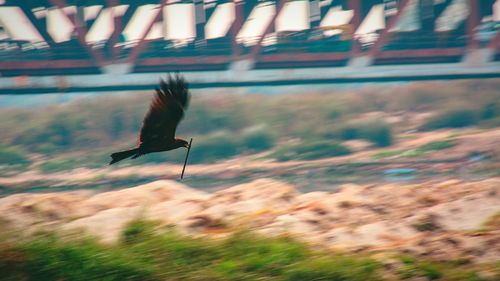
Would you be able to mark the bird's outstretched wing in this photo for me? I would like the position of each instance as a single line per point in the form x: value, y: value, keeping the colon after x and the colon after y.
x: 165, y: 112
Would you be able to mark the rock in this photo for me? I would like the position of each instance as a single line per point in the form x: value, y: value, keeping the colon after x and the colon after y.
x: 425, y: 222
x: 467, y: 213
x: 271, y: 191
x: 174, y: 211
x: 144, y: 195
x: 107, y: 224
x: 27, y: 209
x: 437, y: 220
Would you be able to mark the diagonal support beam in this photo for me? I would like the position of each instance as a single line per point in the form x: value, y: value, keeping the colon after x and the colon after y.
x: 35, y: 21
x: 143, y: 43
x: 377, y: 47
x: 355, y: 5
x: 472, y: 22
x: 440, y: 8
x: 125, y: 19
x: 236, y: 26
x: 117, y: 28
x: 495, y: 42
x: 81, y: 32
x: 257, y: 47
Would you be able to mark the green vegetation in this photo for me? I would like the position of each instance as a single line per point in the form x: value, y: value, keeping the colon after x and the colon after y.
x: 12, y: 156
x: 377, y: 132
x: 387, y: 154
x: 436, y: 145
x: 454, y: 118
x: 220, y: 145
x: 414, y: 268
x: 420, y: 151
x: 147, y: 252
x: 257, y: 139
x: 309, y: 151
x: 88, y: 127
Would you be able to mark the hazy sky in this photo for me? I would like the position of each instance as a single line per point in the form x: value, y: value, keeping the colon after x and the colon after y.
x: 179, y: 21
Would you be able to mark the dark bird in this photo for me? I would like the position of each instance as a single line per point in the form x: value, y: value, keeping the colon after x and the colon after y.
x: 158, y: 128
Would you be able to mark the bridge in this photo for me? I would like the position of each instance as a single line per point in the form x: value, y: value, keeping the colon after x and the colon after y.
x: 49, y: 46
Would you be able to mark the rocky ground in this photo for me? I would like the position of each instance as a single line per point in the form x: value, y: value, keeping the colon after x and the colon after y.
x: 439, y: 220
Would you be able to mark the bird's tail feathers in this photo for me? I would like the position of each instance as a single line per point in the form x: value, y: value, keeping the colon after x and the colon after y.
x: 118, y: 156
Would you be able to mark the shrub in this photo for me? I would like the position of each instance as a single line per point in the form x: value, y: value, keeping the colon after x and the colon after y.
x: 310, y: 150
x: 378, y: 132
x: 490, y: 110
x: 430, y: 271
x: 137, y: 230
x: 454, y: 118
x: 12, y: 156
x: 257, y: 139
x: 217, y: 146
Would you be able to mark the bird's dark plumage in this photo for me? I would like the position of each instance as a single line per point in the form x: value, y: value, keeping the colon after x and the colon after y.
x: 159, y: 126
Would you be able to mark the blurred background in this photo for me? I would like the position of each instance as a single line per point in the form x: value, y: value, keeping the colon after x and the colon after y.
x: 301, y: 106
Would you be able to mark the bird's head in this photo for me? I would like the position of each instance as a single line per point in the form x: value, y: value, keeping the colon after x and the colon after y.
x: 181, y: 143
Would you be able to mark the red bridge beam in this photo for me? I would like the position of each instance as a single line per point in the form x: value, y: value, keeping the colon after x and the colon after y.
x: 236, y: 26
x: 355, y: 5
x: 143, y: 43
x: 45, y: 64
x: 472, y: 22
x: 117, y: 28
x: 81, y: 32
x: 377, y: 47
x: 495, y: 42
x: 257, y: 47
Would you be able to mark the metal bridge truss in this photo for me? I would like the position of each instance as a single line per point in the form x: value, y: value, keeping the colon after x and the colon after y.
x: 50, y: 66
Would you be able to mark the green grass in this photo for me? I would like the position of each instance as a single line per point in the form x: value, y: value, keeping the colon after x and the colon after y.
x: 418, y: 152
x: 147, y: 252
x: 453, y: 270
x: 436, y: 145
x: 412, y: 153
x: 387, y: 154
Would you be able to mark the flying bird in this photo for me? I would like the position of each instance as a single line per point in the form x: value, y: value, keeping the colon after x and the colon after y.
x: 158, y: 128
